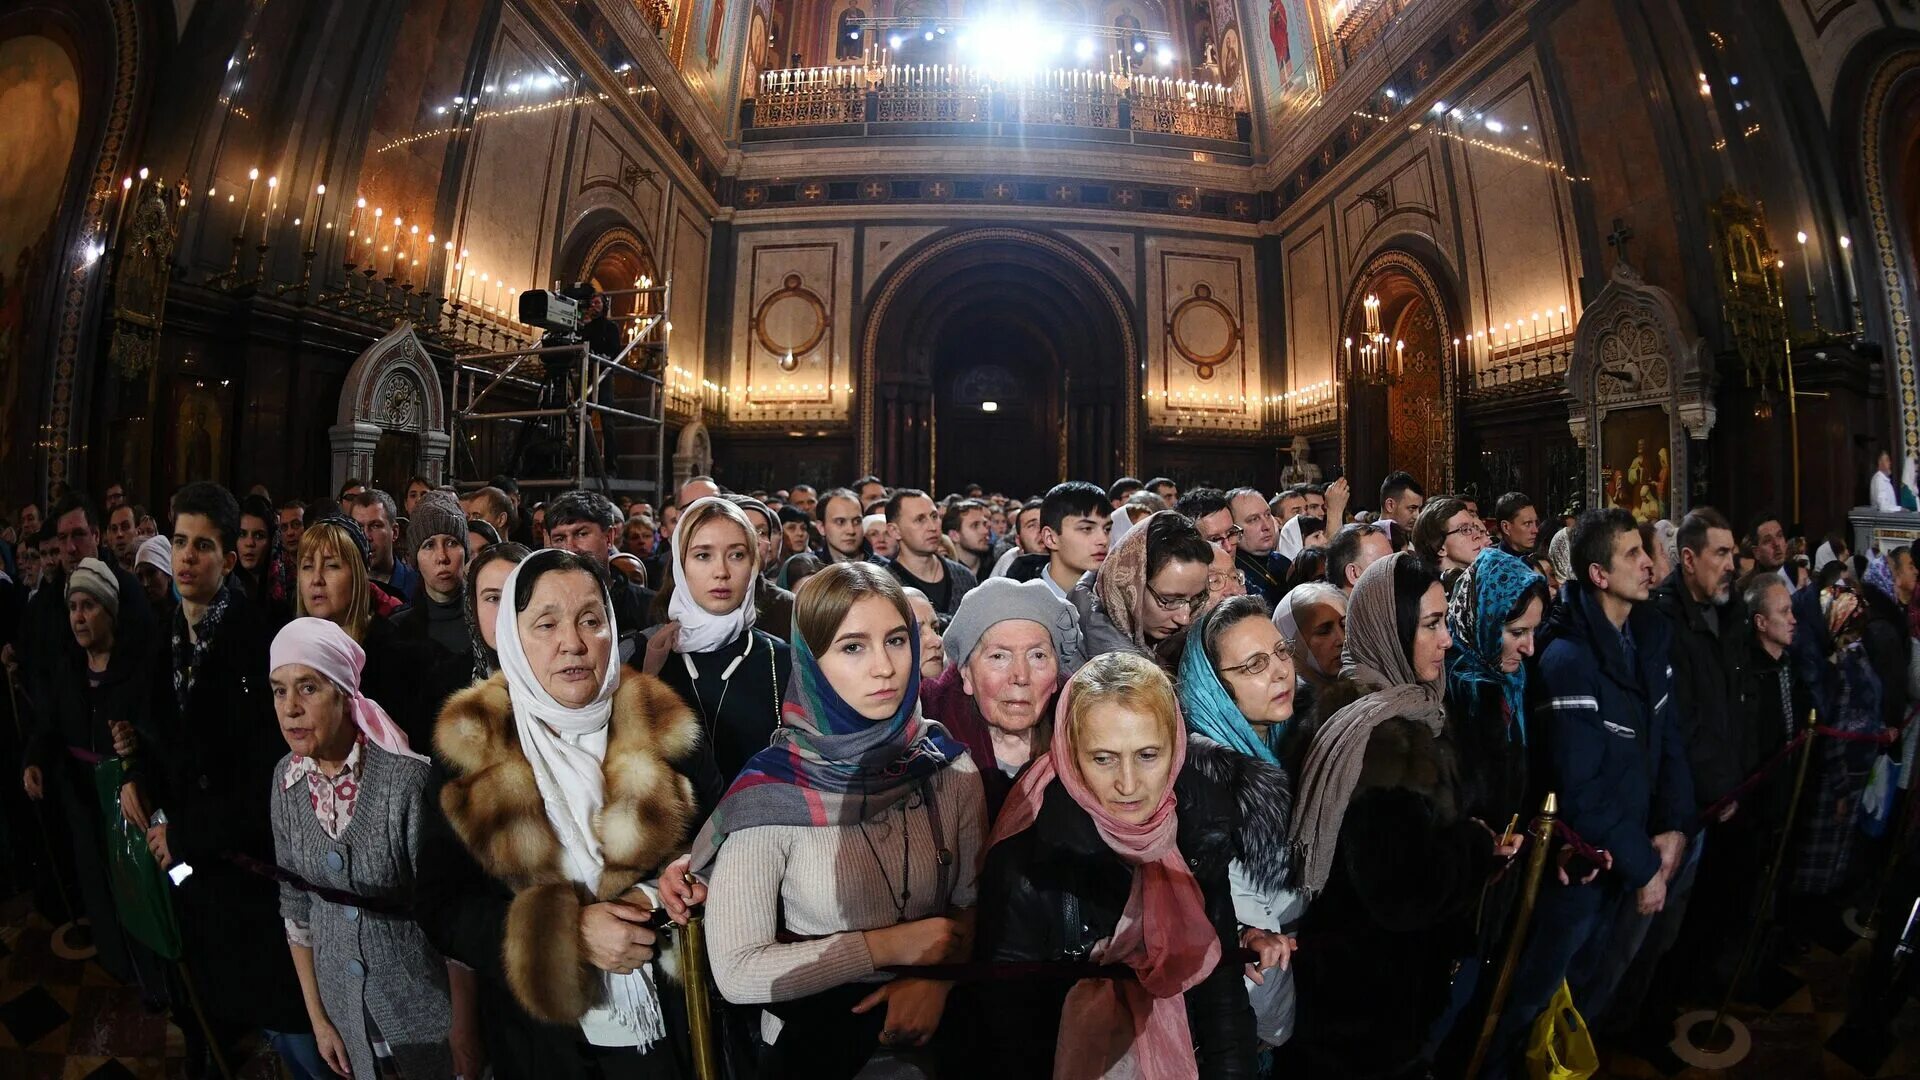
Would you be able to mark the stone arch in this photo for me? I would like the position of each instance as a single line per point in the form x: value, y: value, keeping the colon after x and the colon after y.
x: 1412, y: 273
x: 1112, y: 415
x: 392, y: 391
x: 1888, y: 164
x: 1631, y: 350
x: 611, y: 253
x: 692, y: 453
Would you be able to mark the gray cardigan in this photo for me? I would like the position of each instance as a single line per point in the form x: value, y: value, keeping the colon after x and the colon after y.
x: 368, y: 964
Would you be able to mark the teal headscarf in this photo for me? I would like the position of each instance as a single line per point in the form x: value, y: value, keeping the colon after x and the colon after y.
x: 1476, y: 615
x: 1209, y: 708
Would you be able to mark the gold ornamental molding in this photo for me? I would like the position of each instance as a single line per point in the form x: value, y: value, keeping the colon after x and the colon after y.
x: 1199, y: 304
x: 1409, y: 264
x: 1886, y: 246
x: 792, y: 289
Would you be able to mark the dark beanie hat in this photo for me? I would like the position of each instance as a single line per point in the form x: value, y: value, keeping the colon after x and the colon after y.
x: 436, y: 514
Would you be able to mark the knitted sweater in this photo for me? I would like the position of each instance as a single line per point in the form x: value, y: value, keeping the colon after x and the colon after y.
x: 774, y: 883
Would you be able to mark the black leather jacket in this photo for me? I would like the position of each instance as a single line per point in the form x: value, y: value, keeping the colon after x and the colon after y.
x: 1055, y: 890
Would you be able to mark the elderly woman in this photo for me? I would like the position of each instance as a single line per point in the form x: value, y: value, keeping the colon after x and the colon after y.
x: 1006, y: 641
x: 153, y: 565
x: 933, y: 648
x: 96, y: 696
x: 1236, y: 694
x: 564, y: 792
x: 848, y: 846
x: 1312, y: 619
x: 1153, y: 582
x: 1390, y: 860
x: 374, y: 987
x: 732, y: 675
x: 1095, y: 858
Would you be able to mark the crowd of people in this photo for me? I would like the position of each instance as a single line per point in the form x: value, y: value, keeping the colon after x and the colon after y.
x: 1124, y: 781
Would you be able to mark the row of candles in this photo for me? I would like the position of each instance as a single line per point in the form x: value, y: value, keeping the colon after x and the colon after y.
x: 949, y: 76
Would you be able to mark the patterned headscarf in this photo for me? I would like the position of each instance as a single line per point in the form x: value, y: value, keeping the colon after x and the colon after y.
x: 828, y: 764
x: 1560, y: 553
x: 1121, y: 582
x: 1476, y: 616
x: 1209, y: 707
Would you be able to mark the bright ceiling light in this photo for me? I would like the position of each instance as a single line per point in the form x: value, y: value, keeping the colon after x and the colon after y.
x: 1085, y: 51
x: 989, y: 406
x: 1496, y: 126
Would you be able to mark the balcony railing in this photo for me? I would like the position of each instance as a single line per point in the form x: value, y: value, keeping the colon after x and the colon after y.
x: 857, y: 94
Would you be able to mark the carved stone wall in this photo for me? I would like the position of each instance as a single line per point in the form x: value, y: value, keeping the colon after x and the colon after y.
x: 390, y: 387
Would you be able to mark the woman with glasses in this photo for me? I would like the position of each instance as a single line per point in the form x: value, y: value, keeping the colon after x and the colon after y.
x: 1448, y: 537
x: 1237, y: 695
x: 1391, y: 860
x: 1149, y: 588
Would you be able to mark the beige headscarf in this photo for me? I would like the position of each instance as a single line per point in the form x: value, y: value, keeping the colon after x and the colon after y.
x: 1121, y: 582
x: 1374, y: 659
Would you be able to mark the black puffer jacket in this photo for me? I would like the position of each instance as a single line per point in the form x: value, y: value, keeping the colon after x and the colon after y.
x: 1707, y: 676
x: 1055, y: 890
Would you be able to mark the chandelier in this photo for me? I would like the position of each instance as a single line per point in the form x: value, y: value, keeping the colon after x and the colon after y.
x: 1380, y: 360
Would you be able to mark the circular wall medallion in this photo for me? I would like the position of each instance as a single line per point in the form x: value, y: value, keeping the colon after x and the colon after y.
x: 1203, y: 331
x: 791, y: 320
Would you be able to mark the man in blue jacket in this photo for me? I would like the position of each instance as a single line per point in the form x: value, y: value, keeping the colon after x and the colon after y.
x: 1618, y: 761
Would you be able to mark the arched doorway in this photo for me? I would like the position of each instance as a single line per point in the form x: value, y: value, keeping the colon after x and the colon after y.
x: 619, y: 259
x: 1408, y: 422
x: 1002, y: 357
x: 1889, y: 179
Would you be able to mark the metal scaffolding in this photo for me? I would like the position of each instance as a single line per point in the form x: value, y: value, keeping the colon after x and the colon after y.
x: 591, y: 380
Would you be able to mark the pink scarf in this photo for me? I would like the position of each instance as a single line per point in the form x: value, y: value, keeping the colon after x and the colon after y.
x: 1114, y: 1027
x: 321, y: 645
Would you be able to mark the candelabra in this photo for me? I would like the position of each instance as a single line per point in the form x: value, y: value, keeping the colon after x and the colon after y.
x: 1380, y: 360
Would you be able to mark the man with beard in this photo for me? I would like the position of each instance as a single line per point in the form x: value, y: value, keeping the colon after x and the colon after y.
x: 1769, y: 541
x: 967, y: 523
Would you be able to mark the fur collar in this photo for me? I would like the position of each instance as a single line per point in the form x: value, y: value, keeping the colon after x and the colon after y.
x: 494, y: 803
x: 1263, y: 795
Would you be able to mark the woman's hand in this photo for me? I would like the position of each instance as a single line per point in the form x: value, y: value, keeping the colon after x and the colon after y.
x: 125, y: 740
x: 1565, y: 856
x: 34, y: 783
x: 133, y: 805
x: 922, y: 941
x: 1507, y: 847
x: 157, y: 844
x: 660, y: 646
x: 333, y: 1050
x: 614, y: 936
x: 1276, y: 951
x: 914, y: 1007
x: 680, y: 891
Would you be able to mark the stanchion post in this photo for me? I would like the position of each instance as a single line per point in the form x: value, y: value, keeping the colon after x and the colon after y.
x: 1766, y: 896
x: 695, y: 977
x: 1517, y: 941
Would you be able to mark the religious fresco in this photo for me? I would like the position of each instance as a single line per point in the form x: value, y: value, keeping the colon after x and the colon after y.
x: 1635, y: 463
x: 1282, y: 62
x: 40, y: 97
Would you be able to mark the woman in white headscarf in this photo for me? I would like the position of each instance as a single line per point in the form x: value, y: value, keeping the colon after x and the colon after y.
x: 567, y: 788
x: 732, y: 675
x: 1313, y: 620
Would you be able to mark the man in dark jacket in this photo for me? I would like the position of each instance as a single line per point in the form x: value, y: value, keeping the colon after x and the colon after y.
x: 216, y: 742
x: 1264, y: 569
x: 1710, y: 641
x: 1603, y: 687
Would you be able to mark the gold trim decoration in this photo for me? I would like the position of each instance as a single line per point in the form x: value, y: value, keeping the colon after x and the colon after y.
x: 1886, y: 259
x: 1410, y: 265
x: 1204, y: 363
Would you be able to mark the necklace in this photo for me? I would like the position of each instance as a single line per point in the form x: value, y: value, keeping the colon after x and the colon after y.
x: 726, y: 683
x: 906, y: 846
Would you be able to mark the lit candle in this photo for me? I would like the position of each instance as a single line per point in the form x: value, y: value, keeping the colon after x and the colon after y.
x: 460, y: 282
x: 377, y: 213
x: 266, y: 219
x: 246, y: 208
x: 319, y: 207
x: 482, y: 298
x: 1805, y: 262
x: 1536, y: 325
x: 353, y: 224
x: 120, y: 211
x: 1563, y: 318
x: 413, y: 237
x: 1846, y: 264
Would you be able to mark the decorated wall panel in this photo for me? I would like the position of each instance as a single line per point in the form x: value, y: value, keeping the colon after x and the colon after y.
x: 1115, y: 252
x: 1203, y: 328
x: 1309, y: 281
x: 793, y: 312
x: 882, y: 245
x: 689, y: 241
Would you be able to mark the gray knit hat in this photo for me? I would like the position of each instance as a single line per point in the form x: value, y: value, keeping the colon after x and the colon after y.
x: 436, y: 514
x: 998, y: 600
x: 94, y: 578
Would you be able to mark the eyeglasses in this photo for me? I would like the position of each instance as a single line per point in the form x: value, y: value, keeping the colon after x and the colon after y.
x: 1473, y: 531
x: 1175, y: 603
x: 1259, y: 662
x: 1232, y: 531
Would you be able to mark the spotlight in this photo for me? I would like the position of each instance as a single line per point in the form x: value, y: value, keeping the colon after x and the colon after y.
x: 989, y: 406
x: 1165, y: 56
x: 893, y: 42
x: 1496, y: 126
x: 1390, y: 94
x: 1139, y: 46
x: 855, y: 35
x: 1085, y: 50
x: 928, y: 35
x: 1439, y: 107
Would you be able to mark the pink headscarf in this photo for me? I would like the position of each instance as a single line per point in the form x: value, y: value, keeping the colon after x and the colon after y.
x: 321, y: 645
x: 1112, y: 1027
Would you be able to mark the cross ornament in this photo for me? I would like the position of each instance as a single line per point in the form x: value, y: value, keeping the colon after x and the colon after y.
x: 1617, y: 239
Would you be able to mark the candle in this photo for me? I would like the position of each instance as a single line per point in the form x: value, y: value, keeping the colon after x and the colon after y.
x: 253, y: 175
x: 120, y: 211
x: 482, y: 298
x: 460, y: 283
x: 266, y: 219
x: 1563, y: 318
x: 319, y: 208
x: 377, y: 213
x: 413, y: 237
x: 1846, y: 264
x: 353, y: 225
x: 1805, y: 262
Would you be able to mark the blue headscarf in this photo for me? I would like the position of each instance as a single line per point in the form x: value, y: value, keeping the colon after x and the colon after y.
x: 1209, y: 708
x: 1477, y: 615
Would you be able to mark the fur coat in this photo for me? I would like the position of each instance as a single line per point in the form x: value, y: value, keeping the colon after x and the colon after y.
x: 492, y: 802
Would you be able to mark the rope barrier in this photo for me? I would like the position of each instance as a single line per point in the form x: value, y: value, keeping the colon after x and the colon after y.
x: 331, y: 895
x: 1013, y: 971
